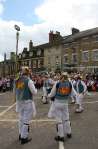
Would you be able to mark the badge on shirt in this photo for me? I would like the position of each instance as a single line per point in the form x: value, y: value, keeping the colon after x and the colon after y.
x: 19, y: 84
x: 64, y: 90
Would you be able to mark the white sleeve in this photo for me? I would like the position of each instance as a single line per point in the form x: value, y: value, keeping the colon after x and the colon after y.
x: 73, y: 90
x: 32, y: 87
x: 84, y: 85
x: 53, y: 91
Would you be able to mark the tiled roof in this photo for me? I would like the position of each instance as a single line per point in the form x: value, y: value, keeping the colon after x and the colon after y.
x: 81, y: 34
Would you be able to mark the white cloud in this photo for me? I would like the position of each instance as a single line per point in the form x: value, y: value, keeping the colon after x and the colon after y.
x: 55, y: 15
x: 69, y: 13
x: 8, y: 36
x: 1, y: 57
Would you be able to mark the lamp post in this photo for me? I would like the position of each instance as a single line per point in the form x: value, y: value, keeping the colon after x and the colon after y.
x: 17, y: 28
x: 4, y: 73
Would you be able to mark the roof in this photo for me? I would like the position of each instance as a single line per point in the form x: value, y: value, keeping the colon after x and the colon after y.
x: 47, y: 45
x: 81, y: 34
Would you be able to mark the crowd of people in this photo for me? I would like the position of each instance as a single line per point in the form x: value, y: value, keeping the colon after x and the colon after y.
x: 90, y: 79
x: 6, y: 83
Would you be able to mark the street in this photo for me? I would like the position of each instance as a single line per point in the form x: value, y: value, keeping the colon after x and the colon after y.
x: 42, y: 130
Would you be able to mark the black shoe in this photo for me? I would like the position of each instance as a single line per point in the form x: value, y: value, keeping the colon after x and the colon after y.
x: 19, y: 137
x: 58, y: 138
x: 69, y: 135
x: 26, y: 140
x: 28, y: 128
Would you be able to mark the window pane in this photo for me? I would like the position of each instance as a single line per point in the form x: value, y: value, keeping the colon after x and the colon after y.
x: 95, y: 55
x: 74, y: 58
x: 85, y: 56
x: 65, y: 59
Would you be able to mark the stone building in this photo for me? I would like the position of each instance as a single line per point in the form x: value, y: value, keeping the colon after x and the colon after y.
x: 52, y: 52
x: 44, y: 57
x: 75, y: 52
x: 7, y: 67
x: 32, y: 57
x: 80, y: 50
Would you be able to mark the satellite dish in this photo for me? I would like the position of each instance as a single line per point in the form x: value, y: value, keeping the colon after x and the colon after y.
x: 17, y: 27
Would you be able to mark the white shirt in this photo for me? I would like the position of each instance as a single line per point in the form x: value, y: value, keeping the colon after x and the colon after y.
x: 32, y: 87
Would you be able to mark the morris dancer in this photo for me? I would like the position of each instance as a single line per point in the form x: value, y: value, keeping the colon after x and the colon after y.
x: 25, y: 89
x: 47, y: 86
x: 80, y: 88
x: 62, y: 90
x: 73, y: 93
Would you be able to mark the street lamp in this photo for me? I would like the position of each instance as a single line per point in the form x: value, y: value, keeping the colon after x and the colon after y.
x: 17, y: 28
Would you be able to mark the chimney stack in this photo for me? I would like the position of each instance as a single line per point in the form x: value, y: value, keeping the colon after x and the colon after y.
x: 75, y: 31
x: 4, y: 56
x: 51, y: 36
x: 30, y: 45
x: 54, y: 37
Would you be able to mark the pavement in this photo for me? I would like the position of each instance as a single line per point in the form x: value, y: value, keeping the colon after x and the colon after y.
x: 84, y: 125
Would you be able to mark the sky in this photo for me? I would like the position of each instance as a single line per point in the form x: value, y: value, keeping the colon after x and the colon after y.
x: 37, y: 17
